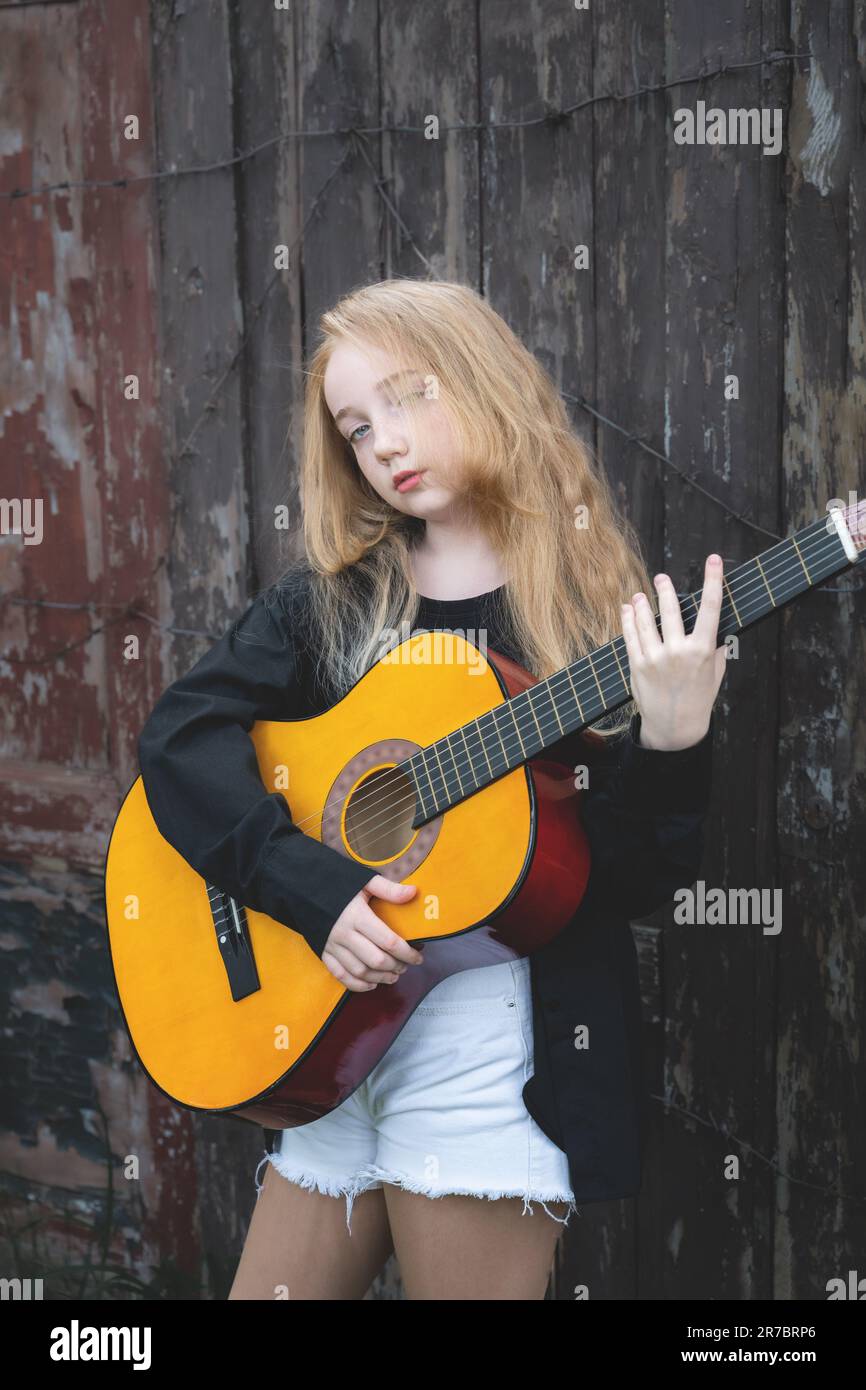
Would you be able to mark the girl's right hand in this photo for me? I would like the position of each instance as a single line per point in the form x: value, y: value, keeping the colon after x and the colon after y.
x: 361, y: 951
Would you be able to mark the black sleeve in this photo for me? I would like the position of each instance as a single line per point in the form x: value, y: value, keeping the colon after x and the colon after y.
x: 202, y: 782
x: 644, y: 811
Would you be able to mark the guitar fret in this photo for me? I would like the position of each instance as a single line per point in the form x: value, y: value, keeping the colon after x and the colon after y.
x: 444, y: 769
x: 800, y: 558
x: 495, y: 719
x: 574, y: 691
x: 468, y: 754
x: 441, y: 769
x: 510, y: 708
x: 539, y: 692
x: 483, y: 745
x: 733, y: 605
x: 595, y: 676
x: 456, y: 767
x: 764, y: 577
x: 531, y: 707
x: 428, y: 780
x: 621, y: 672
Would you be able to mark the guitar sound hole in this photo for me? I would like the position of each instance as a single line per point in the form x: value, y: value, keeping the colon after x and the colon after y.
x: 379, y: 815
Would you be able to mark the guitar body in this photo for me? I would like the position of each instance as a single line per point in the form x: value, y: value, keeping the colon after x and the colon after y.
x: 498, y: 875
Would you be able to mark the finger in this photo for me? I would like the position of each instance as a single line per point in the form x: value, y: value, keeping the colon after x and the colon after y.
x: 630, y: 637
x: 381, y: 935
x: 648, y: 633
x: 669, y: 608
x: 707, y: 621
x: 382, y: 887
x: 344, y: 976
x: 360, y: 966
x: 374, y: 957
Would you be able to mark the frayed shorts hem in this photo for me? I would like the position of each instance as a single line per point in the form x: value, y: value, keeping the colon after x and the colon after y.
x: 371, y: 1177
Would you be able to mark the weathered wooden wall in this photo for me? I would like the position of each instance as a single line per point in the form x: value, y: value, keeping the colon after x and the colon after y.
x: 80, y: 312
x: 703, y: 261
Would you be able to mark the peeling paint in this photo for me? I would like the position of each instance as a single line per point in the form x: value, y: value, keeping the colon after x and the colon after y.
x: 820, y: 150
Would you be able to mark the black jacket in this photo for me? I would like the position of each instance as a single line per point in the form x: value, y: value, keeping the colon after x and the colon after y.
x: 643, y: 812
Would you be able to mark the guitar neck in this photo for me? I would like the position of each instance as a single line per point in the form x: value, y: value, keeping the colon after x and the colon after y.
x: 478, y: 753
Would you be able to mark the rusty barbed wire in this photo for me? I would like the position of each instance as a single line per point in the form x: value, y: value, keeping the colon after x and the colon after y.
x: 552, y: 116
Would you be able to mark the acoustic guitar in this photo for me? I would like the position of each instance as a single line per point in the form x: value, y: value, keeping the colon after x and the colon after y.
x: 439, y: 766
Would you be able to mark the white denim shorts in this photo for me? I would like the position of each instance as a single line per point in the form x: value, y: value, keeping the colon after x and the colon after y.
x: 442, y: 1112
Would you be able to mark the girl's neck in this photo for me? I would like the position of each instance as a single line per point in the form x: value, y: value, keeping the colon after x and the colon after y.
x: 453, y: 563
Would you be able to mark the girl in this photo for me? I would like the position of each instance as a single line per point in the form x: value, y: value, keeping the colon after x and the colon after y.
x: 443, y: 487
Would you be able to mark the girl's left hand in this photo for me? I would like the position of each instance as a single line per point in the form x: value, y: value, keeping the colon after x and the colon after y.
x: 675, y: 678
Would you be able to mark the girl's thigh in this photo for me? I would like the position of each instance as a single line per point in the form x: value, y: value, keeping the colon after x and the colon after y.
x: 298, y: 1247
x: 456, y: 1247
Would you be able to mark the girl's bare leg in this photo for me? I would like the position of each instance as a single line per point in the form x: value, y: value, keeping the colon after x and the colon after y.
x: 471, y: 1247
x: 298, y: 1247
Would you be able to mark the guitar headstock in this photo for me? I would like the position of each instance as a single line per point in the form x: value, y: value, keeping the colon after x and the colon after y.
x: 854, y: 518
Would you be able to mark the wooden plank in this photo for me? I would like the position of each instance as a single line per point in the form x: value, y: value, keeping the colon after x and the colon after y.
x: 626, y: 384
x: 69, y: 436
x: 337, y: 82
x: 202, y: 327
x: 270, y: 215
x: 433, y: 183
x: 630, y: 140
x: 820, y: 1092
x: 207, y: 570
x: 723, y: 285
x: 77, y: 315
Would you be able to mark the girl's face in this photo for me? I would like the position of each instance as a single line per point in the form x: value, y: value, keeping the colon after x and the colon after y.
x: 367, y: 397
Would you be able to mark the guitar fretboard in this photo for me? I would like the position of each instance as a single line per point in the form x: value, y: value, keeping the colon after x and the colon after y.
x: 476, y: 754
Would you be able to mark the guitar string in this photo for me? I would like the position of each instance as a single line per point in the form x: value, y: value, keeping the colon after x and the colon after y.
x: 735, y: 591
x: 589, y: 685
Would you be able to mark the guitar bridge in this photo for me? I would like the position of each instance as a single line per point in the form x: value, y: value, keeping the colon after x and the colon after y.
x: 233, y: 940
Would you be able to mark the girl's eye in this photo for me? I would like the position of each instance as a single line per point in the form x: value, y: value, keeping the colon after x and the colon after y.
x: 399, y: 401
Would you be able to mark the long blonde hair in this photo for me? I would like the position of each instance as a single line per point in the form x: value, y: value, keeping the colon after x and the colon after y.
x: 521, y: 469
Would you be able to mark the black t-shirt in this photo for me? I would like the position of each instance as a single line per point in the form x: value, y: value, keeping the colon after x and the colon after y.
x: 482, y: 614
x: 643, y: 812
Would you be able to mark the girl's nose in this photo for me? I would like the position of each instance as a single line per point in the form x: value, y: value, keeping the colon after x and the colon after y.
x: 387, y: 446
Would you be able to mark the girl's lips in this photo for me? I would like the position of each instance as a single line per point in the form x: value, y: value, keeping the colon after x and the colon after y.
x: 408, y: 482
